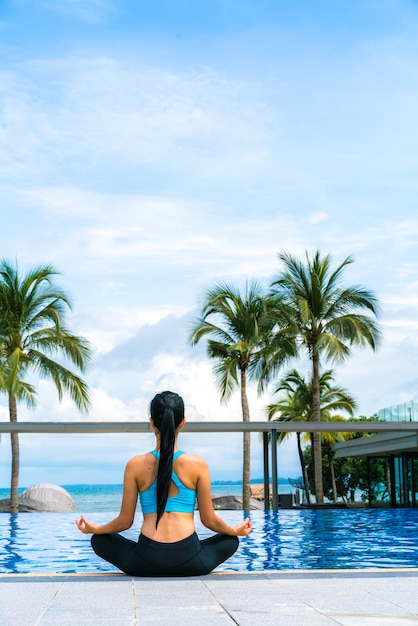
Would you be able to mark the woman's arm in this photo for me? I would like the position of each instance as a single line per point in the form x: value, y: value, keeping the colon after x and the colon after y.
x: 127, y: 511
x: 207, y: 514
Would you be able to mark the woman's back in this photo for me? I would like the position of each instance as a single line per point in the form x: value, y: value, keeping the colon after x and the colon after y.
x: 177, y: 521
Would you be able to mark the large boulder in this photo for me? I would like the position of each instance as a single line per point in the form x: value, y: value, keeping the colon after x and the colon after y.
x: 47, y: 497
x: 43, y: 497
x: 229, y: 502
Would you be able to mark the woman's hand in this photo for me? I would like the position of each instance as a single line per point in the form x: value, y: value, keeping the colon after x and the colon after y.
x: 85, y: 526
x: 244, y: 528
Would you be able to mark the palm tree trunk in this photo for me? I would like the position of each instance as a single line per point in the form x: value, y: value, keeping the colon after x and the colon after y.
x: 246, y: 491
x: 316, y: 438
x: 304, y: 472
x: 14, y: 438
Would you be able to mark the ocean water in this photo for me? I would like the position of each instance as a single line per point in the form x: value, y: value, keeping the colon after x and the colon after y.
x: 102, y: 498
x: 98, y: 498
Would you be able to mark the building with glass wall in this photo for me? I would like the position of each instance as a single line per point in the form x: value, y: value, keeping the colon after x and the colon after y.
x: 404, y: 412
x: 399, y: 449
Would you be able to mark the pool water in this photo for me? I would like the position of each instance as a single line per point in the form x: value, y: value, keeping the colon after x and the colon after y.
x: 288, y: 539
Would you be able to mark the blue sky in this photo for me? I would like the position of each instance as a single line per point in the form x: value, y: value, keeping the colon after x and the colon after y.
x: 151, y: 149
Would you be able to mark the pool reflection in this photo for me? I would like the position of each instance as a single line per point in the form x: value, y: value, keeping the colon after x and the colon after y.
x: 11, y: 560
x: 329, y: 539
x: 287, y: 539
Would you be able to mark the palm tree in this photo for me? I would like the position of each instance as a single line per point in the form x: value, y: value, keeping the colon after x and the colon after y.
x: 297, y: 406
x: 292, y: 407
x: 328, y: 439
x: 243, y: 345
x: 326, y: 319
x: 32, y: 333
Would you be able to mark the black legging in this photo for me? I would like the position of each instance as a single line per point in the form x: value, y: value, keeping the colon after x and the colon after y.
x: 189, y: 557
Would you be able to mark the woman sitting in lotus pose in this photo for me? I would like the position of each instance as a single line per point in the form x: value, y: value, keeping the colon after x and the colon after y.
x: 168, y: 482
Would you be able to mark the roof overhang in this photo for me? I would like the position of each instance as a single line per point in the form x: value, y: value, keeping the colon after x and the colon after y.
x: 383, y: 444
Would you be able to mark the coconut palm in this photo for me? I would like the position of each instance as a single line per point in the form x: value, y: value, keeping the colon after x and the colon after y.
x: 243, y: 345
x: 296, y: 405
x: 32, y: 336
x: 327, y: 319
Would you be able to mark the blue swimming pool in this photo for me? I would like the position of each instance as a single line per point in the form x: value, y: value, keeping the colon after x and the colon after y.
x: 288, y: 539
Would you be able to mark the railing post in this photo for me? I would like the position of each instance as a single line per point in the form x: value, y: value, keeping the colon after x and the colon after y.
x: 274, y: 487
x: 266, y: 471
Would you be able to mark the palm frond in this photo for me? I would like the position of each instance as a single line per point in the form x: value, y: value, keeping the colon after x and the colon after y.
x: 63, y: 378
x: 242, y: 327
x: 32, y: 331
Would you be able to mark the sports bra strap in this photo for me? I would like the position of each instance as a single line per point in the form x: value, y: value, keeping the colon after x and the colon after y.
x: 175, y: 456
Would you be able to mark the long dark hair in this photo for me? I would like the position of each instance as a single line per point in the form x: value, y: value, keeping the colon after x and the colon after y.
x: 167, y: 413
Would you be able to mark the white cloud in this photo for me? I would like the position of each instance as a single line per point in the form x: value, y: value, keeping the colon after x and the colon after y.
x: 316, y: 218
x: 89, y: 112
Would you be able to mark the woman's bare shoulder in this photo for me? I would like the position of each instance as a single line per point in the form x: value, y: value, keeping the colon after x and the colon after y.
x: 141, y: 460
x: 194, y: 459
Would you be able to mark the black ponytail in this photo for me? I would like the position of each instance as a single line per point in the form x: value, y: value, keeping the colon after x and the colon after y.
x: 167, y: 413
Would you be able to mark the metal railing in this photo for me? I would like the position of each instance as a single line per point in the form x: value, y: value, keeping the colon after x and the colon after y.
x: 208, y: 427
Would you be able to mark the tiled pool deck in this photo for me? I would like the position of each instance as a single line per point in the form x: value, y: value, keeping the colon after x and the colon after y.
x: 311, y: 598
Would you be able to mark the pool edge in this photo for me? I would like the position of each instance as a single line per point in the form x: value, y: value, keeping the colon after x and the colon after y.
x: 363, y: 572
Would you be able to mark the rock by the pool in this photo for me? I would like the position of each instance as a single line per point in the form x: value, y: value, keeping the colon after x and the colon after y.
x: 229, y: 502
x: 43, y: 497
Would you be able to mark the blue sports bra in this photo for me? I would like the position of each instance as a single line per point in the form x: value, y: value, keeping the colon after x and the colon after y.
x: 182, y: 502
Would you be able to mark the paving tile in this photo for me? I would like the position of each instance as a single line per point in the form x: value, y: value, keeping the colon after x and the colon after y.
x: 318, y: 599
x: 88, y: 602
x: 179, y: 616
x: 54, y: 619
x: 178, y: 601
x: 402, y: 592
x: 339, y: 596
x: 376, y: 620
x: 22, y: 604
x: 260, y: 602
